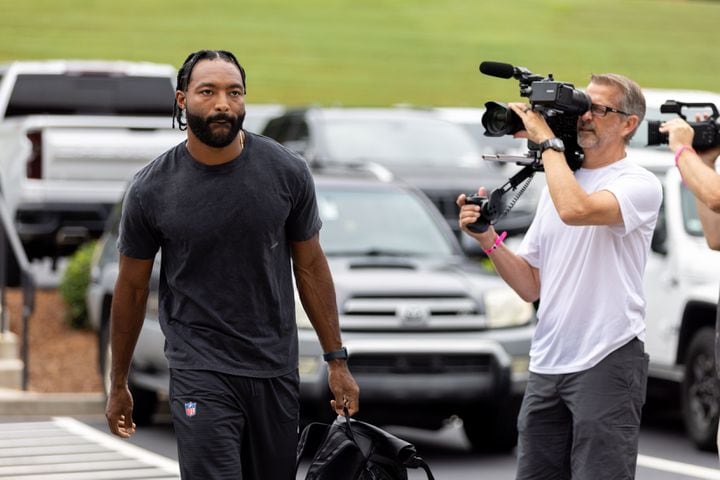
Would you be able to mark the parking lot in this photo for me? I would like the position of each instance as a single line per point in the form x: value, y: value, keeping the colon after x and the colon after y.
x: 64, y: 448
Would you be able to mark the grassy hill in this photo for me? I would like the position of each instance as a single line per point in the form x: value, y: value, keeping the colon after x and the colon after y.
x: 381, y: 52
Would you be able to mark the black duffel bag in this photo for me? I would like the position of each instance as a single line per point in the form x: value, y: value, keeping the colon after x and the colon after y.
x: 349, y: 449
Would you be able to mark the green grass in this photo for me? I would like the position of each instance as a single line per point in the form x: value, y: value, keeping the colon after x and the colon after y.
x: 374, y: 52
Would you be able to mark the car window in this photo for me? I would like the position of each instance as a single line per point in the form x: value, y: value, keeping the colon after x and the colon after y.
x: 298, y: 130
x: 366, y: 222
x: 91, y: 94
x: 399, y: 141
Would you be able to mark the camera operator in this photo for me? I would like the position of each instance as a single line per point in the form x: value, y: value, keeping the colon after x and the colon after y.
x: 584, y: 257
x: 699, y: 174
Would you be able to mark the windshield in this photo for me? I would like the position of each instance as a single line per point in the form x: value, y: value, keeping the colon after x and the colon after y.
x: 365, y: 222
x: 690, y: 216
x: 91, y: 94
x: 405, y: 141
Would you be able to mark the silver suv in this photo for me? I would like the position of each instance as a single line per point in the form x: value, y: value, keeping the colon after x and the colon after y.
x: 430, y: 333
x: 419, y: 147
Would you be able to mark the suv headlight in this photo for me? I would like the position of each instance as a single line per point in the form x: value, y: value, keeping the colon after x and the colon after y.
x: 505, y: 308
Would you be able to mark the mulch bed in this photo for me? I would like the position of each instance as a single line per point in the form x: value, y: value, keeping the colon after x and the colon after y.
x: 61, y: 359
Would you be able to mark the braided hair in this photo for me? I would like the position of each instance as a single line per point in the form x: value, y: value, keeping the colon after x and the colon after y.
x: 183, y: 76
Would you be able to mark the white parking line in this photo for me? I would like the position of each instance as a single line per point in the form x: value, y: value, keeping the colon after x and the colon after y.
x: 66, y: 449
x: 105, y: 457
x: 96, y: 436
x: 685, y: 469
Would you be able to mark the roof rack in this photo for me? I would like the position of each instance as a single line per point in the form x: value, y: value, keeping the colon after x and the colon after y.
x: 377, y: 170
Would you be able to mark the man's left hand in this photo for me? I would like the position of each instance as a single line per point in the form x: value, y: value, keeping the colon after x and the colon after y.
x: 343, y: 386
x: 536, y: 128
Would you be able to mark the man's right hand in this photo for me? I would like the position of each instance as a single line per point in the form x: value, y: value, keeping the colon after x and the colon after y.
x: 469, y: 214
x: 679, y: 133
x: 118, y: 412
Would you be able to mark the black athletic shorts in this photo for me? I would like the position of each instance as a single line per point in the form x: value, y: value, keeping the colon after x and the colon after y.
x: 230, y: 427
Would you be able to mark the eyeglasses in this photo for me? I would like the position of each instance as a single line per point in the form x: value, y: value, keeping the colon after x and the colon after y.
x: 602, y: 110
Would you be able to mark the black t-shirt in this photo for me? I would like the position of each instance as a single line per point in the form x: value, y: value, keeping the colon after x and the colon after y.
x: 224, y: 231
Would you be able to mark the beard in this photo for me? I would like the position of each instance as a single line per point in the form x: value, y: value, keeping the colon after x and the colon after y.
x: 203, y: 130
x: 586, y: 136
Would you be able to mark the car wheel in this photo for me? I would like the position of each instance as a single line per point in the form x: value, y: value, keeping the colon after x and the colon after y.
x: 493, y: 427
x: 701, y: 391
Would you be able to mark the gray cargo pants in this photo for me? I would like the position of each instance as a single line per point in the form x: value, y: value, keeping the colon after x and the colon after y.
x: 584, y: 425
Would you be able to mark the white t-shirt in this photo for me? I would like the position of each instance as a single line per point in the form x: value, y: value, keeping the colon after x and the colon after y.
x: 591, y: 295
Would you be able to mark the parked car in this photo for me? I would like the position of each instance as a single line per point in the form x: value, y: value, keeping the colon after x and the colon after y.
x: 417, y: 146
x: 71, y: 134
x: 470, y: 119
x: 681, y: 287
x: 680, y: 282
x: 258, y: 114
x: 430, y: 333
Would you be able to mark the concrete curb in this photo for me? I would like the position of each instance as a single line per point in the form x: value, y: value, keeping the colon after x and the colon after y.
x: 17, y: 403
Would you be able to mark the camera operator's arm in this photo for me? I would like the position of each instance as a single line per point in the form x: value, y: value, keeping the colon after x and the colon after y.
x: 697, y: 169
x: 573, y: 204
x: 516, y: 272
x: 698, y: 172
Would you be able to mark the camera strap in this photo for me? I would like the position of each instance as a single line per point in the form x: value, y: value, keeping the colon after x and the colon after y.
x: 521, y: 179
x: 525, y: 184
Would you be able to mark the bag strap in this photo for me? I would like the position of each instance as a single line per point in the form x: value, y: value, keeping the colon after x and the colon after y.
x: 417, y: 462
x: 349, y: 426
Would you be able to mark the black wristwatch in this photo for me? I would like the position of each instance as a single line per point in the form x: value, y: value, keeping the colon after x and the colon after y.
x: 554, y: 143
x: 336, y: 355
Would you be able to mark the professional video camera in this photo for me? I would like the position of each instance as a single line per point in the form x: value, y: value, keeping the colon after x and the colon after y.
x: 707, y: 132
x: 558, y: 102
x: 561, y: 105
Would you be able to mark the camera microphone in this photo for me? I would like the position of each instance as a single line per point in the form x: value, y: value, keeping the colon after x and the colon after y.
x: 497, y: 69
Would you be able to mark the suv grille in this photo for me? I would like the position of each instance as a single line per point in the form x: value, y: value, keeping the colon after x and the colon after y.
x: 419, y: 364
x: 439, y: 312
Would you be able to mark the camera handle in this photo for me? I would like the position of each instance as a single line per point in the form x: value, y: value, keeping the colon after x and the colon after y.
x: 492, y: 208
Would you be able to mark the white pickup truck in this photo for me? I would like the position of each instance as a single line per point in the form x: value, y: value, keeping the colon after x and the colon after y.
x: 681, y: 288
x: 71, y: 135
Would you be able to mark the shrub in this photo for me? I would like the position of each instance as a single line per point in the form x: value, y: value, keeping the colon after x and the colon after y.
x: 74, y: 283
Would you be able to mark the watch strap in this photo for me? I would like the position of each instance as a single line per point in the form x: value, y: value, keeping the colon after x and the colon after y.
x: 554, y: 143
x: 341, y: 354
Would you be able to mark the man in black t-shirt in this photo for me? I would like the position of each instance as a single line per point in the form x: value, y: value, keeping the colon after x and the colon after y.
x: 231, y: 211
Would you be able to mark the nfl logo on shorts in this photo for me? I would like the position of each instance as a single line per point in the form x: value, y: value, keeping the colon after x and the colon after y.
x: 190, y: 408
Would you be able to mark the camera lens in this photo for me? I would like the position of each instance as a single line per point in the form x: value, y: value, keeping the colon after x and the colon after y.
x: 499, y: 120
x: 579, y: 104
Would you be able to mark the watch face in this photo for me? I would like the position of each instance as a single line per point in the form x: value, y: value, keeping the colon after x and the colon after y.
x: 555, y: 144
